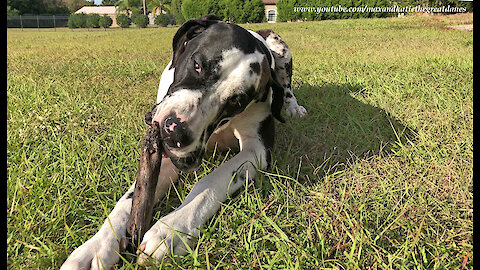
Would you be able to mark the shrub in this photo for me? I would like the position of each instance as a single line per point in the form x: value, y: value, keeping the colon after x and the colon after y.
x: 93, y: 20
x: 70, y: 22
x: 236, y: 11
x: 141, y: 20
x: 105, y: 21
x: 123, y: 21
x: 77, y: 21
x: 162, y: 20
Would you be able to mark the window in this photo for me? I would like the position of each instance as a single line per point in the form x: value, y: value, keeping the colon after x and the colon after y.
x: 272, y: 15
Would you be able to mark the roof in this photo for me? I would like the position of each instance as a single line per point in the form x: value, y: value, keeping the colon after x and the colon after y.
x: 269, y: 2
x: 98, y: 10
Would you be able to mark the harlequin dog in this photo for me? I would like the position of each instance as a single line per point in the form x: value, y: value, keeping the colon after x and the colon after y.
x: 223, y: 88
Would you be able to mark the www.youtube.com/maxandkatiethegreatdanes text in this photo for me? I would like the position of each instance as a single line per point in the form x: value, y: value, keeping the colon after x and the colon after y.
x: 392, y: 9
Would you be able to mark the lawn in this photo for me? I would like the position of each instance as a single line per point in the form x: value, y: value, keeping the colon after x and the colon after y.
x: 378, y: 175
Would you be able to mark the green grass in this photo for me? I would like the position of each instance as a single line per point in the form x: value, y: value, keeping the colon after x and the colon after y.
x: 378, y: 175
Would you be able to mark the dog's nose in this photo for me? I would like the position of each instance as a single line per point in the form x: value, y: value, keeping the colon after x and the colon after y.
x: 169, y: 125
x: 175, y: 133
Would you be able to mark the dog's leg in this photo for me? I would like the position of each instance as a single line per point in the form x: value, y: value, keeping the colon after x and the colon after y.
x: 177, y: 230
x: 292, y: 108
x: 283, y: 68
x: 101, y: 251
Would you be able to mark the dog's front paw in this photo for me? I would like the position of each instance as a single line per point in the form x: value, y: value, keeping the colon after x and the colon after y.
x: 99, y: 252
x: 171, y: 235
x: 295, y: 110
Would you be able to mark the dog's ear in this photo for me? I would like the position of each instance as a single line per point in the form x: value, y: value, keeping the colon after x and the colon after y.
x: 188, y: 31
x: 277, y: 96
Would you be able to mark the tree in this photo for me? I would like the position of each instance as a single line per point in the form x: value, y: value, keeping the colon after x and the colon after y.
x: 123, y: 21
x: 141, y: 20
x: 162, y: 20
x: 158, y: 6
x: 105, y: 21
x: 233, y: 11
x: 74, y: 5
x: 130, y: 7
x: 108, y: 2
x: 77, y: 21
x: 12, y: 12
x: 254, y: 11
x: 236, y: 11
x: 93, y: 20
x: 176, y: 9
x: 40, y: 6
x: 193, y: 9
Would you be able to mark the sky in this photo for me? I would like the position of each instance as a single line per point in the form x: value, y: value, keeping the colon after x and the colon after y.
x: 97, y: 2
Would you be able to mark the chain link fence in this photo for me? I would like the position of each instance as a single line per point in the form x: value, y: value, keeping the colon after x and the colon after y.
x: 37, y: 21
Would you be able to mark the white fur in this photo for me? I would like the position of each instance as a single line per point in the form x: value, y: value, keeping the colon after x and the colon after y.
x: 291, y: 106
x: 257, y: 36
x: 234, y: 67
x: 175, y: 232
x: 165, y: 81
x: 102, y: 249
x: 292, y: 109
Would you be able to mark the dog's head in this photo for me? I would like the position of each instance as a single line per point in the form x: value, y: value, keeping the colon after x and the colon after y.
x: 219, y: 69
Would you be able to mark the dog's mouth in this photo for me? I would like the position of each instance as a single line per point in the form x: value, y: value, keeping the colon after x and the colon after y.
x: 187, y: 163
x: 184, y: 159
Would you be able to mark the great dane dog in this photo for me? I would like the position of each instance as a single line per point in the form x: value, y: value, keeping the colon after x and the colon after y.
x: 223, y: 88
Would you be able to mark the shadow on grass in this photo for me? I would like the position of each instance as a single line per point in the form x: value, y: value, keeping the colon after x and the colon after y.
x: 338, y: 130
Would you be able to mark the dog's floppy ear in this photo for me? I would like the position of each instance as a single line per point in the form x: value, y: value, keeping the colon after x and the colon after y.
x: 188, y: 31
x: 277, y: 96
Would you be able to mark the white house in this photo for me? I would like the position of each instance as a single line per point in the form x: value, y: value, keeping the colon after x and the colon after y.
x: 270, y: 10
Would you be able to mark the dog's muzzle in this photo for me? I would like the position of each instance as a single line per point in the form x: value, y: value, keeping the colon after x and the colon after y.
x: 176, y: 137
x: 175, y: 133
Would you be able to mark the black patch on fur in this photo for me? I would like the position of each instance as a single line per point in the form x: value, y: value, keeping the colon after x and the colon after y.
x: 277, y: 97
x: 182, y: 135
x: 255, y: 67
x: 188, y: 31
x: 223, y: 122
x: 266, y: 131
x: 195, y: 44
x: 265, y: 33
x: 210, y: 129
x: 288, y: 95
x: 289, y: 69
x: 130, y: 195
x: 191, y: 161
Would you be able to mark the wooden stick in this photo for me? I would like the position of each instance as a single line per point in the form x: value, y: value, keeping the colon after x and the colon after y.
x: 144, y: 193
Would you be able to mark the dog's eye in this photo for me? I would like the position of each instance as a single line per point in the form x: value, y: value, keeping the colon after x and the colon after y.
x: 197, y: 67
x: 234, y: 102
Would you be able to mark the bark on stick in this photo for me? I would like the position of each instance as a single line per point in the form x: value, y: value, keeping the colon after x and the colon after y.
x: 144, y: 193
